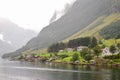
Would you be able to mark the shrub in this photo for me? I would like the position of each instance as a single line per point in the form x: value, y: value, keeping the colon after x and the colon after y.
x: 63, y: 56
x: 116, y: 56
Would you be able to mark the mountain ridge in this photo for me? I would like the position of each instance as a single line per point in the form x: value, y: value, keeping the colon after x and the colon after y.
x: 13, y: 37
x: 80, y: 15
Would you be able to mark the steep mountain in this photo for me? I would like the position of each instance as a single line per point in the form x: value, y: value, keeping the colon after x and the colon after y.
x: 80, y: 15
x: 12, y: 37
x: 102, y: 27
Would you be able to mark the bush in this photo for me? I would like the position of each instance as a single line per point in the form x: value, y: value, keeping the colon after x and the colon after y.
x: 63, y: 56
x: 116, y: 60
x: 67, y: 59
x: 116, y: 56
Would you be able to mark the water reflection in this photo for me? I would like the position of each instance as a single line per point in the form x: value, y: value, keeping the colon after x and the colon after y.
x: 51, y: 71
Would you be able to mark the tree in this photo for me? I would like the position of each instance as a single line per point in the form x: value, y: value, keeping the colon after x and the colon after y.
x: 53, y: 48
x: 103, y: 46
x: 93, y: 42
x: 112, y: 49
x: 84, y: 52
x: 97, y: 50
x: 88, y: 57
x: 75, y: 57
x: 79, y: 42
x: 56, y: 47
x: 118, y: 45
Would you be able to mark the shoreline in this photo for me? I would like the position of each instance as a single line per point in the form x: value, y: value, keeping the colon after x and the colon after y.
x: 113, y: 65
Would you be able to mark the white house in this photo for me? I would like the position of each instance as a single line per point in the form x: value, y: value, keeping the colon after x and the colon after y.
x: 79, y: 48
x: 106, y: 52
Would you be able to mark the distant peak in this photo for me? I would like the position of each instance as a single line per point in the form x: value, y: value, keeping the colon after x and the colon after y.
x: 59, y: 13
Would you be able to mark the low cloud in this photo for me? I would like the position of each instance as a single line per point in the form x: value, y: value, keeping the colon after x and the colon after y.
x: 60, y: 12
x: 2, y: 39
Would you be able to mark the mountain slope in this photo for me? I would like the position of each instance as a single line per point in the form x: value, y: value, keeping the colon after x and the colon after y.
x: 80, y: 15
x: 12, y: 37
x: 95, y: 27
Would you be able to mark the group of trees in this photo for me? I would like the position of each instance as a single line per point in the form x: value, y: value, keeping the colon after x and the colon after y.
x: 79, y: 42
x: 86, y: 41
x: 90, y: 42
x: 56, y: 47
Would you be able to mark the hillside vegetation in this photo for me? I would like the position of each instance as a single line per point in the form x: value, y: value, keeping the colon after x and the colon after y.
x: 99, y: 24
x: 111, y: 31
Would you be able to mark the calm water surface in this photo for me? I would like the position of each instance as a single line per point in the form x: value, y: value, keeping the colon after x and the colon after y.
x: 11, y: 70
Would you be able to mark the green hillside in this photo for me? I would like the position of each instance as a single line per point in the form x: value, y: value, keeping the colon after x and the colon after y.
x: 97, y: 27
x: 111, y: 31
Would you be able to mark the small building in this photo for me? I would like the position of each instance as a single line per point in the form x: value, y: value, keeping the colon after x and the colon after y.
x: 70, y: 49
x: 106, y: 52
x: 79, y: 48
x: 61, y: 50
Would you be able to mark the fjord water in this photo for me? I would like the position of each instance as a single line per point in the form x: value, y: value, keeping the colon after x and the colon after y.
x: 15, y: 70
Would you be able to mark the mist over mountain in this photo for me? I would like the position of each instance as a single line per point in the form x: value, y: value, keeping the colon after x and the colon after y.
x: 58, y: 14
x: 12, y: 36
x: 80, y: 15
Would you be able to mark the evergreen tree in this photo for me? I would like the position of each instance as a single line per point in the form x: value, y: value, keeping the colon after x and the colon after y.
x: 93, y: 42
x: 56, y: 47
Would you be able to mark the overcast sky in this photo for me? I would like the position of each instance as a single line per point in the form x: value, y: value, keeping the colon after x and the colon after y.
x: 31, y: 14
